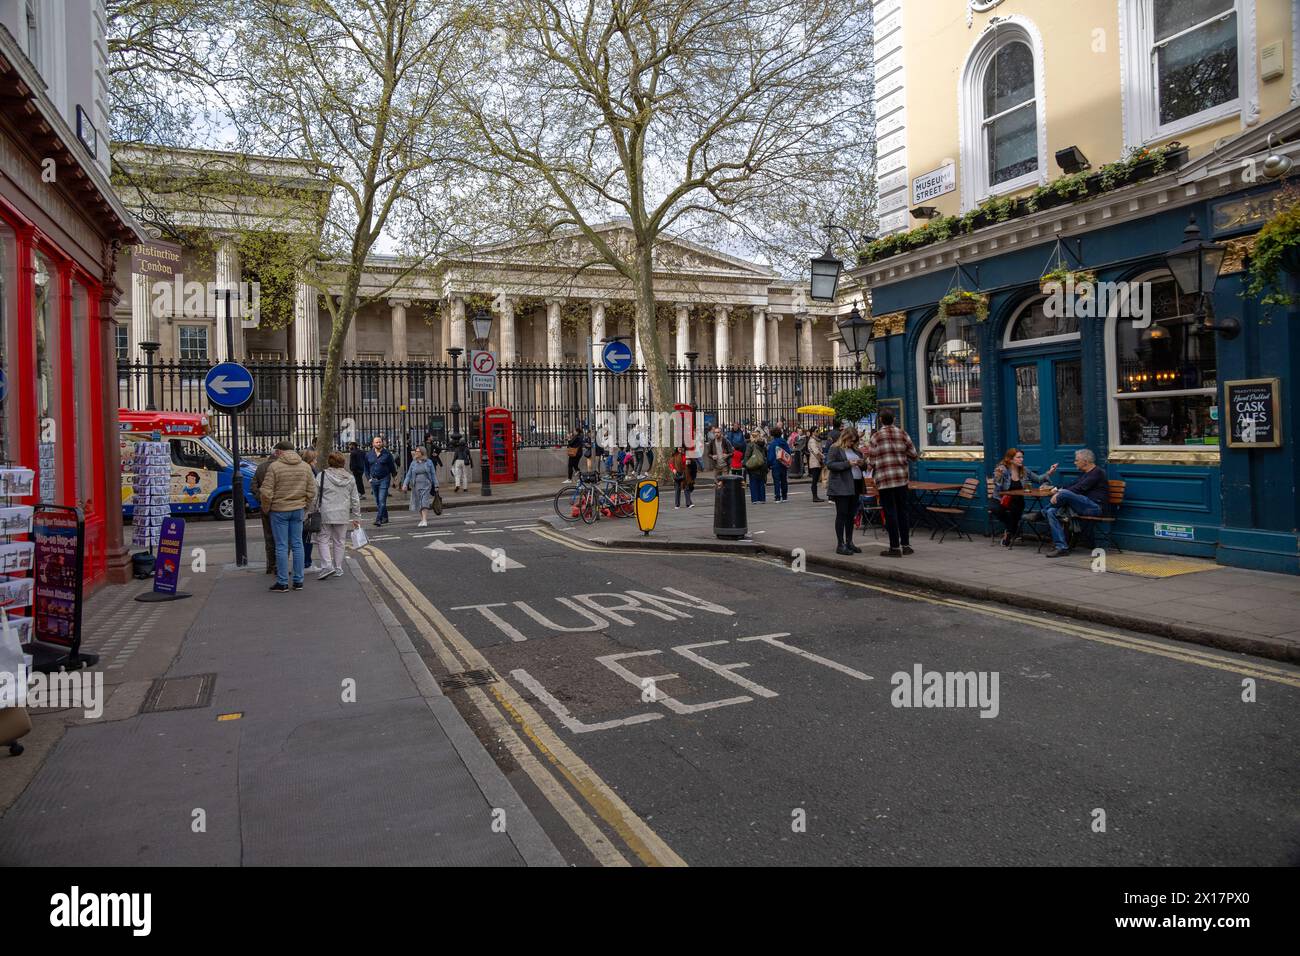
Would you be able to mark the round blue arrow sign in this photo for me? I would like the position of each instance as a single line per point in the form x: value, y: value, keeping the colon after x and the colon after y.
x: 616, y: 356
x: 229, y: 386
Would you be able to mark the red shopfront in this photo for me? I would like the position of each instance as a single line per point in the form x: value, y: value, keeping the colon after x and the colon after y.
x: 59, y: 238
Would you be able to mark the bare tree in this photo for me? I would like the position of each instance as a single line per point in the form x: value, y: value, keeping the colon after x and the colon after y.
x: 361, y: 89
x: 170, y: 68
x: 725, y: 119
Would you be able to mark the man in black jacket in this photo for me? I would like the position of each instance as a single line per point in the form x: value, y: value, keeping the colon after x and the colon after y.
x: 357, y: 465
x: 1085, y: 497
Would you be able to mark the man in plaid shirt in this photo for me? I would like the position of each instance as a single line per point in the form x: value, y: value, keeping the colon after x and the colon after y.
x: 889, y: 453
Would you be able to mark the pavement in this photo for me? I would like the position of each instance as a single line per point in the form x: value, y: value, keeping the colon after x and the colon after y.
x: 1186, y: 599
x: 325, y: 741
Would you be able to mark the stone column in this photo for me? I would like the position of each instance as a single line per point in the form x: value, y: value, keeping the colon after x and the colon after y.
x: 806, y: 341
x: 399, y: 307
x: 142, y: 320
x: 773, y: 339
x: 760, y: 337
x: 227, y: 277
x: 306, y: 353
x: 554, y: 346
x: 506, y: 334
x: 457, y: 322
x: 722, y: 356
x: 683, y: 346
x: 835, y: 353
x: 444, y: 330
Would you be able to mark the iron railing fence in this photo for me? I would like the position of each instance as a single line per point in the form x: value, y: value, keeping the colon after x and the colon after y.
x: 404, y: 401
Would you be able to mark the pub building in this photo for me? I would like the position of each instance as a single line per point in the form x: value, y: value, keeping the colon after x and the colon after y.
x: 1162, y: 404
x: 61, y: 229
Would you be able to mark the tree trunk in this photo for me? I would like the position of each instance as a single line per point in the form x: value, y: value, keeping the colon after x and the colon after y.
x: 329, y: 391
x: 656, y: 371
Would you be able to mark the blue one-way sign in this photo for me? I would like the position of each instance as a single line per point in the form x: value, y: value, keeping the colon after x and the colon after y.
x: 616, y: 356
x: 229, y: 386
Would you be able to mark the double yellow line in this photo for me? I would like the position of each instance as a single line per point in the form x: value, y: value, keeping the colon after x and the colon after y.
x: 542, y: 755
x: 1188, y: 654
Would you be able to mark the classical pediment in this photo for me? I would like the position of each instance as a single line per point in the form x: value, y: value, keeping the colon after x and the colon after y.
x: 573, y: 250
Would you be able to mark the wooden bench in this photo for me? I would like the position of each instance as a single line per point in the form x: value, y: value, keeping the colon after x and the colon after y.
x: 1106, y: 520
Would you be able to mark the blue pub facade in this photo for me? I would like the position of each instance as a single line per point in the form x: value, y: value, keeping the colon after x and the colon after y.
x: 1149, y: 399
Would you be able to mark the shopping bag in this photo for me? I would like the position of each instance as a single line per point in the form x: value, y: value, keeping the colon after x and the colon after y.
x: 358, y: 537
x: 437, y: 503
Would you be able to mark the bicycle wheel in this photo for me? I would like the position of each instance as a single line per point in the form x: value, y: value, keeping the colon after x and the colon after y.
x: 588, y: 505
x: 566, y: 502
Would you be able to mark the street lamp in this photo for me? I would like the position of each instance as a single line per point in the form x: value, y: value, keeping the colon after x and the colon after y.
x: 482, y: 322
x: 690, y: 358
x: 827, y: 267
x: 149, y: 348
x: 826, y: 270
x: 855, y: 333
x: 1195, y: 266
x: 799, y: 321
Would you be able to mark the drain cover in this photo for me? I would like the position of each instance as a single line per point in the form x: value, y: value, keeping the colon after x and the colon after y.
x: 179, y: 693
x: 467, y: 679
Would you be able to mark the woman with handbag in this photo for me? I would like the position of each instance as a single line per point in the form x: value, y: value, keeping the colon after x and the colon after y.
x: 575, y: 451
x: 422, y: 484
x: 338, y: 504
x: 1012, y: 475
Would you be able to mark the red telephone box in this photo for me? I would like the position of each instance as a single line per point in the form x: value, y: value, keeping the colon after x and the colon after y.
x: 497, y: 444
x: 684, y: 425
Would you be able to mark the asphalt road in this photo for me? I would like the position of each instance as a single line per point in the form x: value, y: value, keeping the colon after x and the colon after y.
x: 1075, y: 745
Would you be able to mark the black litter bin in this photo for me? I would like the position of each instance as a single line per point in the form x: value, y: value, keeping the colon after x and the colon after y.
x: 729, y: 519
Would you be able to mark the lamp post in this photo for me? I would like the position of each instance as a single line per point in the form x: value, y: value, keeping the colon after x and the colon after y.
x: 149, y: 348
x: 799, y: 321
x: 455, y: 353
x: 1195, y: 266
x: 482, y: 330
x: 855, y: 333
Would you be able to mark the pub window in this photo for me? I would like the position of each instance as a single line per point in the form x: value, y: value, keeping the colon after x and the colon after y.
x: 1031, y: 325
x: 951, y: 392
x: 1003, y: 136
x: 1164, y: 377
x: 1188, y: 61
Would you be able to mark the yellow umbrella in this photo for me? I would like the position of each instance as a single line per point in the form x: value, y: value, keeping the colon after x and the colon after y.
x: 815, y: 410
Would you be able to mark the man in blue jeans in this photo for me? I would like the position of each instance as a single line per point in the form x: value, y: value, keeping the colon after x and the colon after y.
x: 287, y: 493
x: 380, y: 469
x: 1085, y: 497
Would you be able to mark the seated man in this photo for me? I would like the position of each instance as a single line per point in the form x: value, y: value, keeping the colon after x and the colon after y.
x: 1085, y: 497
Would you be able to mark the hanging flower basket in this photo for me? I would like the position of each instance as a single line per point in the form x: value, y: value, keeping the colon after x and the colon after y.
x: 960, y: 302
x: 1065, y: 278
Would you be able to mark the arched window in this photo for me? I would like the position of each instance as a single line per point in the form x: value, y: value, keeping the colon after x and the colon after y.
x: 951, y: 394
x: 1031, y: 325
x: 1004, y: 138
x: 1163, y: 377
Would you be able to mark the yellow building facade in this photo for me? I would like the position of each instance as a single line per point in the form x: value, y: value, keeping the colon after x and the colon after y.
x: 980, y: 95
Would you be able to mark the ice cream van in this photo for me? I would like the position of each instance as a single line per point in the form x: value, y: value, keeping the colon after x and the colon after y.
x: 202, y: 467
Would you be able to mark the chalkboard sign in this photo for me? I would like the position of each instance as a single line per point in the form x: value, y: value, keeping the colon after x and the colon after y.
x: 1253, y: 411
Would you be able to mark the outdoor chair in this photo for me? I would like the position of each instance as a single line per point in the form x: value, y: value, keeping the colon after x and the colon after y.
x: 1104, y: 522
x: 946, y: 516
x: 869, y: 510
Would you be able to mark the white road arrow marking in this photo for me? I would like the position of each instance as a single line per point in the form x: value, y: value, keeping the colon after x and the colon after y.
x: 510, y: 564
x: 221, y: 384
